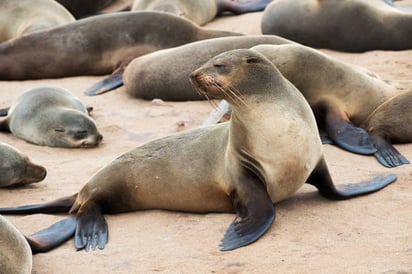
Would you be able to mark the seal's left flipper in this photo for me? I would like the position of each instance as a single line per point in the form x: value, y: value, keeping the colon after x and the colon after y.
x: 386, y: 154
x: 52, y: 236
x: 341, y: 130
x: 321, y: 179
x: 254, y: 214
x: 239, y: 7
x: 115, y: 80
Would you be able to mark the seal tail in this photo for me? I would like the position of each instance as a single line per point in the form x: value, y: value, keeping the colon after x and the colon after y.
x: 321, y: 179
x: 56, y: 206
x: 53, y: 236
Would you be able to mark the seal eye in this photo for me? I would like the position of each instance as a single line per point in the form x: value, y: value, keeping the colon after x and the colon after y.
x: 219, y: 66
x: 59, y: 129
x: 81, y: 134
x: 252, y: 59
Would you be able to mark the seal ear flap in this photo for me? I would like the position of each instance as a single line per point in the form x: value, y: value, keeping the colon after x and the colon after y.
x: 255, y: 213
x: 52, y: 236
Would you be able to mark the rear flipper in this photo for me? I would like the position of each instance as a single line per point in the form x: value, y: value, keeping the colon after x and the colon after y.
x: 115, y: 80
x: 341, y: 130
x: 255, y: 214
x: 92, y: 230
x: 386, y: 154
x: 52, y: 236
x: 321, y: 179
x: 56, y: 206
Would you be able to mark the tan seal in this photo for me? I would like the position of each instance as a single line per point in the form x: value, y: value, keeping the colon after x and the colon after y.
x: 200, y: 11
x: 25, y: 16
x: 17, y: 169
x: 230, y: 167
x: 51, y: 116
x: 354, y: 26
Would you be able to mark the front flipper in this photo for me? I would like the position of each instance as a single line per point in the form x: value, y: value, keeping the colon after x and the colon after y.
x: 321, y: 179
x: 386, y: 154
x: 341, y: 130
x: 255, y: 214
x: 52, y: 236
x: 109, y: 83
x: 91, y: 230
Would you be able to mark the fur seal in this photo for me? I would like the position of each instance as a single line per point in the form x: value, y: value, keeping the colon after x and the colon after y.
x: 51, y: 116
x: 230, y: 167
x: 16, y: 169
x: 200, y: 11
x: 26, y: 16
x: 15, y: 255
x: 148, y: 76
x: 353, y: 26
x: 88, y: 48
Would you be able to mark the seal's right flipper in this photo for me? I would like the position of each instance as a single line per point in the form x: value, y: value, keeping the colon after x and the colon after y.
x: 56, y: 206
x: 321, y: 179
x: 115, y: 80
x: 341, y: 130
x: 52, y: 236
x: 92, y: 230
x: 386, y: 154
x: 255, y: 214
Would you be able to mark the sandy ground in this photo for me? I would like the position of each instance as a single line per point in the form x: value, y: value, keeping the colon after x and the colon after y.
x: 371, y: 234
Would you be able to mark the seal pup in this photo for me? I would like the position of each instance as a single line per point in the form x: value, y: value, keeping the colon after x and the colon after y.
x: 200, y: 11
x: 230, y: 167
x: 353, y: 26
x: 89, y: 50
x: 16, y: 169
x: 51, y: 116
x: 25, y: 16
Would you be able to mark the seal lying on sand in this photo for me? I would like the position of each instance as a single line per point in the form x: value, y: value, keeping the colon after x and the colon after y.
x: 51, y: 116
x: 354, y: 26
x: 26, y: 16
x: 200, y: 11
x: 97, y: 45
x: 16, y: 169
x: 235, y: 166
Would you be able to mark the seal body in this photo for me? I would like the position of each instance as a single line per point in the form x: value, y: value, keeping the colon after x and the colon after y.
x: 353, y: 26
x: 16, y: 169
x: 88, y: 48
x: 25, y: 16
x: 149, y: 76
x: 200, y: 11
x: 16, y: 254
x: 51, y: 116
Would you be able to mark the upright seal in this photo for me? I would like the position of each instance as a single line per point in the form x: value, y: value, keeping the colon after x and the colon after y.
x: 51, y: 116
x: 221, y: 168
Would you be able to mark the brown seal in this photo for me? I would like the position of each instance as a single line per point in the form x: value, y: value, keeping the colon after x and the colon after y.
x: 16, y: 169
x: 148, y: 77
x: 96, y: 45
x: 222, y: 168
x: 51, y: 116
x: 354, y: 26
x: 26, y: 16
x: 200, y: 11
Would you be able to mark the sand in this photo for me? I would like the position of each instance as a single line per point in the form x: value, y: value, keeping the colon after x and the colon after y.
x: 371, y: 234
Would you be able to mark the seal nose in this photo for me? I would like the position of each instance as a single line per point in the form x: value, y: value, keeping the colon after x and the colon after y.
x: 99, y: 138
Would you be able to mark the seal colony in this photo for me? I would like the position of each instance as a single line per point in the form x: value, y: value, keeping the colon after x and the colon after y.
x: 51, y: 116
x: 230, y: 167
x: 200, y: 11
x: 16, y: 169
x: 353, y: 26
x: 351, y: 104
